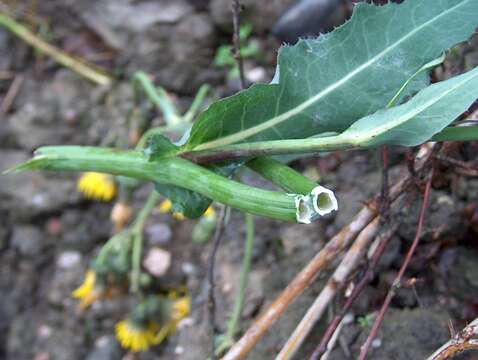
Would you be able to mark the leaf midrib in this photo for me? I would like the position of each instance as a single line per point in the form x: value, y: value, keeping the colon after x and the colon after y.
x: 244, y: 134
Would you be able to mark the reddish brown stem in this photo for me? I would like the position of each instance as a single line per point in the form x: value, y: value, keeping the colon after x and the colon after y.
x: 398, y: 279
x: 367, y: 277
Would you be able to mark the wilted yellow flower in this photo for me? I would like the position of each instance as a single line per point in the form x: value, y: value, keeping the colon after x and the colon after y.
x: 180, y: 309
x: 87, y: 292
x: 97, y: 186
x: 135, y: 337
x: 167, y: 206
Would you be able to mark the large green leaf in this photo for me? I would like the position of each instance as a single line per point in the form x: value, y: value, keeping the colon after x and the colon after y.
x: 416, y: 121
x: 328, y: 83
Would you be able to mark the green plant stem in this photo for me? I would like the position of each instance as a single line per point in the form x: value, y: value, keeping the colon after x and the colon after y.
x: 158, y: 97
x: 79, y: 66
x: 282, y: 175
x: 233, y: 323
x: 173, y: 171
x: 137, y: 234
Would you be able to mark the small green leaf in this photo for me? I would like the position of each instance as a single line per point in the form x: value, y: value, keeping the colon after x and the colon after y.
x: 159, y: 146
x: 416, y: 121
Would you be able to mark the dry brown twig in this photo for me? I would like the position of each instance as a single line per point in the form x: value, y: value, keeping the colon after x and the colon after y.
x: 322, y: 259
x: 11, y: 94
x: 326, y: 341
x: 340, y: 275
x: 467, y: 339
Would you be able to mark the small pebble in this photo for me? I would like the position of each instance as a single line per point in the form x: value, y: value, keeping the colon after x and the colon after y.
x: 157, y: 261
x: 68, y: 259
x: 376, y: 343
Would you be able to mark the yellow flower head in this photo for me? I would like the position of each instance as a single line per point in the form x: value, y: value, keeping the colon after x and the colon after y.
x: 210, y: 212
x: 87, y: 292
x: 97, y: 186
x: 137, y: 338
x: 179, y: 310
x: 167, y: 206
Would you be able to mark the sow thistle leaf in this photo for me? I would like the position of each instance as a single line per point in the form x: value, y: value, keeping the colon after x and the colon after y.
x: 328, y: 83
x: 416, y: 121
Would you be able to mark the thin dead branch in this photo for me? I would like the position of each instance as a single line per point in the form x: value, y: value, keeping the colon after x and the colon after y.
x: 11, y: 94
x: 357, y: 290
x: 236, y: 40
x: 467, y: 339
x: 397, y: 282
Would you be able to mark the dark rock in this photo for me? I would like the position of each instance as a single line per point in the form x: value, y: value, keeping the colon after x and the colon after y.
x: 459, y: 270
x: 308, y: 18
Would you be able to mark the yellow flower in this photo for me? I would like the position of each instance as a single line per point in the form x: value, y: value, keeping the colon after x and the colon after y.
x: 97, y: 186
x: 180, y: 309
x: 167, y: 206
x: 137, y: 338
x: 210, y: 212
x: 87, y: 292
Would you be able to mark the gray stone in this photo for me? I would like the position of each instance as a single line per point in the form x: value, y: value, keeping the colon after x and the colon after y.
x: 117, y: 21
x: 28, y: 240
x: 48, y: 113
